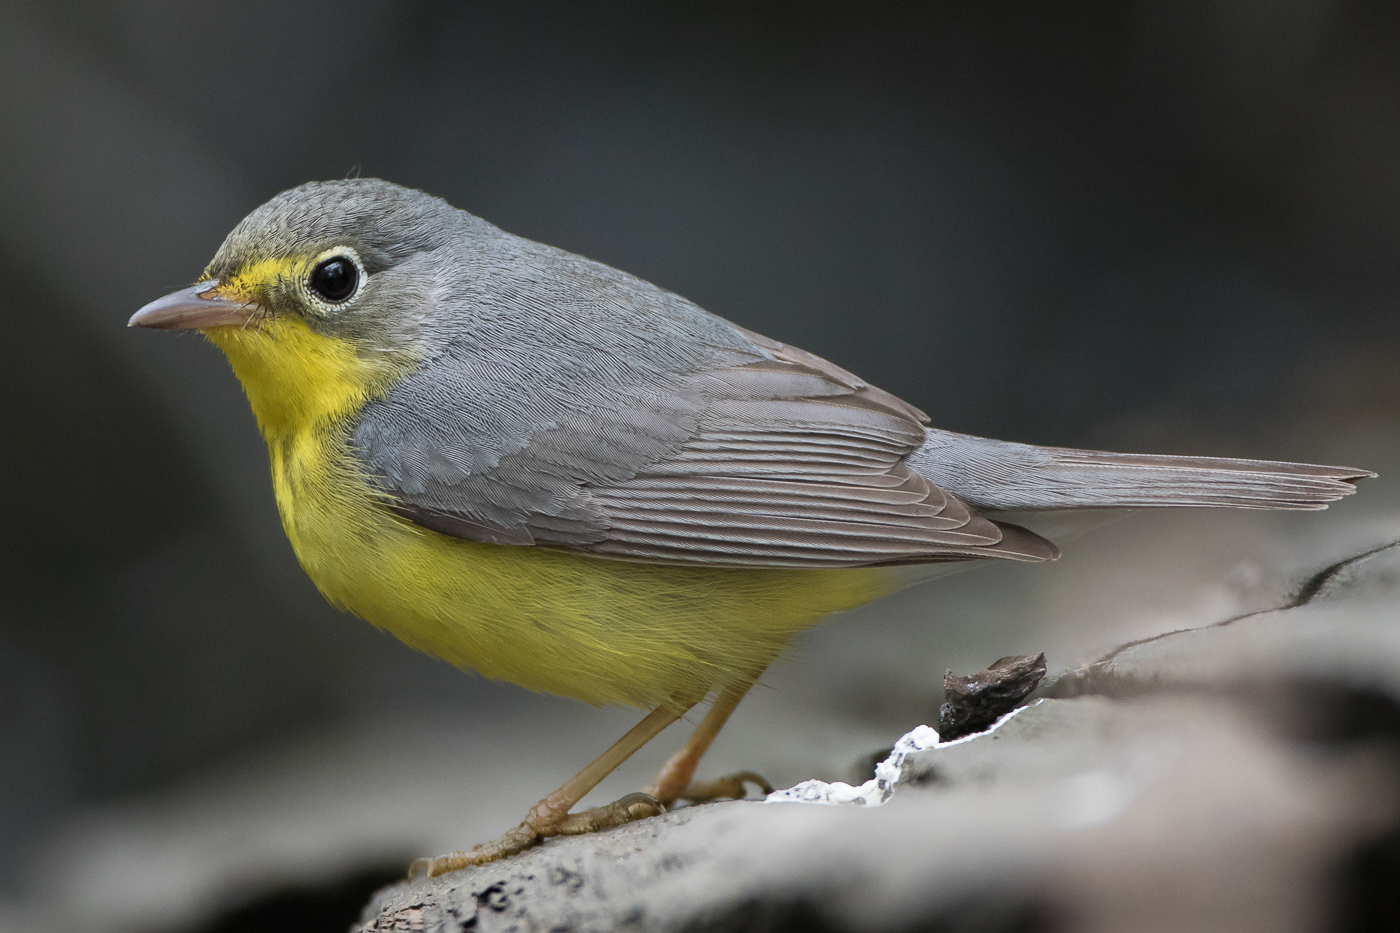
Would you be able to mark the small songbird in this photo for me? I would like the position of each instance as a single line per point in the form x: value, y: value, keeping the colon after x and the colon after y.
x: 534, y: 466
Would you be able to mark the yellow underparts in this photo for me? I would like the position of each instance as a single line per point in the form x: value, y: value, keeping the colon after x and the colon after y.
x: 601, y: 631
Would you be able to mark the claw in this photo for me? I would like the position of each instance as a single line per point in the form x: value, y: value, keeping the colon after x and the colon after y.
x: 731, y: 785
x: 522, y: 837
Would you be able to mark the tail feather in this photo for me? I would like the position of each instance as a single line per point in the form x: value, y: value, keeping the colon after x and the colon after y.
x: 1001, y: 475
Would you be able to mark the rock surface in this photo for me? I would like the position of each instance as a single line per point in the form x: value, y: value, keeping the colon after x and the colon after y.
x: 1238, y: 777
x: 1342, y: 626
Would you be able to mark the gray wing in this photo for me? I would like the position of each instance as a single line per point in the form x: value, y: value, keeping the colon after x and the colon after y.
x: 795, y: 462
x: 752, y: 454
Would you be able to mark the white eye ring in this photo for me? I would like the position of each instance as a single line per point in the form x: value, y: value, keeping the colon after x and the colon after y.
x: 336, y: 277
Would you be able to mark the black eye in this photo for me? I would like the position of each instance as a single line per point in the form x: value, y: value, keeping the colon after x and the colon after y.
x: 334, y: 279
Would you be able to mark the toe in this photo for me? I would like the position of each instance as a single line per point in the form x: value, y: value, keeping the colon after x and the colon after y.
x: 626, y: 810
x: 733, y: 786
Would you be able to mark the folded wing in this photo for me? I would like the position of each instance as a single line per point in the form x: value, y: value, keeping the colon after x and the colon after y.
x: 778, y: 459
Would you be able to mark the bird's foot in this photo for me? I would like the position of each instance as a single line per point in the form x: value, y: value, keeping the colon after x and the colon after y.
x: 731, y: 785
x: 512, y: 841
x: 536, y: 829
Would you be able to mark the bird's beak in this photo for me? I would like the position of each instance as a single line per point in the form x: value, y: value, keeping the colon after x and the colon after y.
x: 198, y: 306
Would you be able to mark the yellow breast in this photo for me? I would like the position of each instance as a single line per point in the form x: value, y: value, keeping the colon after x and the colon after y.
x: 602, y: 631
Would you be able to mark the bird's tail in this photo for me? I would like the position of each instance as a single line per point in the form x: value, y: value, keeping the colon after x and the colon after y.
x: 1000, y: 475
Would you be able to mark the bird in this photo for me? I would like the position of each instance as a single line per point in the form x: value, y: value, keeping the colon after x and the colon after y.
x: 543, y: 469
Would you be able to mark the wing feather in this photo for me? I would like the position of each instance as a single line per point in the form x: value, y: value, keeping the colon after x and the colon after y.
x: 779, y: 459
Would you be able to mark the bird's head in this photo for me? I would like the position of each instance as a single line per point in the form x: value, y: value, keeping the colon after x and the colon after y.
x: 347, y: 259
x: 320, y: 295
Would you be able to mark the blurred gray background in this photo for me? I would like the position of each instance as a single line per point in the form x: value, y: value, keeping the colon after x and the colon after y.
x: 1144, y: 226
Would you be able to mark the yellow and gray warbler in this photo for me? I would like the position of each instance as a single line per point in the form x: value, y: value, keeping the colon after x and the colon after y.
x: 535, y: 466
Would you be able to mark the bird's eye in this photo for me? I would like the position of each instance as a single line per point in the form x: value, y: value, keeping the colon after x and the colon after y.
x: 334, y: 279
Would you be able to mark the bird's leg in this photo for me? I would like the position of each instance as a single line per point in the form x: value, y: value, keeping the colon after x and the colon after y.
x: 676, y: 780
x: 551, y: 816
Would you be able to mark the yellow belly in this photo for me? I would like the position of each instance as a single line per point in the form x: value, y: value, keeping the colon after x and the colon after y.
x: 601, y: 631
